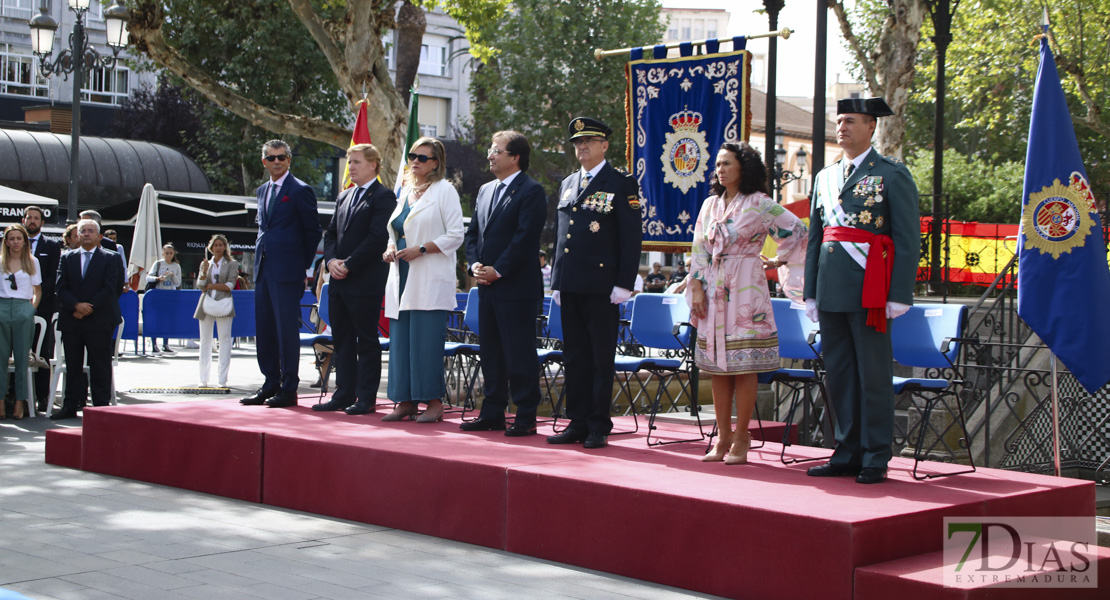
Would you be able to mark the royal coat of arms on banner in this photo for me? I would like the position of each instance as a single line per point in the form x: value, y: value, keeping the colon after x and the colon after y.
x: 680, y: 111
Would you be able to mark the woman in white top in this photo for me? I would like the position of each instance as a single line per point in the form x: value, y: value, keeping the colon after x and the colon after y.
x: 166, y: 275
x: 424, y: 230
x: 20, y: 292
x: 216, y: 280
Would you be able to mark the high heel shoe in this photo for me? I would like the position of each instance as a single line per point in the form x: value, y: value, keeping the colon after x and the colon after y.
x: 431, y: 415
x: 738, y: 454
x: 403, y: 410
x: 17, y: 413
x: 718, y: 453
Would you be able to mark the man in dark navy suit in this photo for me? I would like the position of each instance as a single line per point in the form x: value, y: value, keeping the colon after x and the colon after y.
x: 49, y: 253
x: 353, y: 246
x: 596, y: 259
x: 90, y: 279
x: 501, y: 246
x: 288, y: 233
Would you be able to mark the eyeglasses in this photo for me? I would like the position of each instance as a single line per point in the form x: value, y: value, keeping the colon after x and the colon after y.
x: 279, y: 157
x: 420, y: 157
x: 494, y: 151
x: 11, y: 280
x: 582, y: 141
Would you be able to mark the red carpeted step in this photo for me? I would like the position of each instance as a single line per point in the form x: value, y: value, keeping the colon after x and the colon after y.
x: 63, y: 447
x: 921, y: 577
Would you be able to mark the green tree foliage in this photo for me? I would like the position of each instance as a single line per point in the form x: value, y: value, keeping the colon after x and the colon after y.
x: 544, y: 73
x: 976, y: 189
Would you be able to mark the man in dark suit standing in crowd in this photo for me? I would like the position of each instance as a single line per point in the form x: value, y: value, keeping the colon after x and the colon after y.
x: 288, y: 233
x: 501, y: 245
x: 90, y: 279
x: 49, y: 253
x: 864, y: 220
x: 596, y: 260
x: 353, y: 245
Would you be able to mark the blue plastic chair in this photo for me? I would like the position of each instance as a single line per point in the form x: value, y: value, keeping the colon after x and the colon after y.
x: 660, y: 323
x: 462, y: 367
x: 928, y: 336
x: 550, y: 352
x: 799, y: 339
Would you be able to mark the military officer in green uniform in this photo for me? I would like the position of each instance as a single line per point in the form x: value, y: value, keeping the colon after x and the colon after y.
x: 596, y: 258
x: 861, y: 264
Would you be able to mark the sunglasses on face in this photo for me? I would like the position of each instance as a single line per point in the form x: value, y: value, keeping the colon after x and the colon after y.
x: 279, y: 157
x: 11, y: 280
x: 420, y: 157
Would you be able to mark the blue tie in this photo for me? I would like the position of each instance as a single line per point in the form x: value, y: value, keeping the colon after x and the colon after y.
x: 85, y: 264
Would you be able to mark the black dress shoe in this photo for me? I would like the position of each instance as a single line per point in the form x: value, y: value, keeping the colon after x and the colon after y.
x: 282, y: 399
x: 361, y: 408
x: 484, y: 424
x: 329, y: 407
x: 522, y: 427
x: 595, y: 441
x: 569, y: 436
x: 63, y: 414
x: 831, y: 470
x: 259, y: 397
x: 871, y: 475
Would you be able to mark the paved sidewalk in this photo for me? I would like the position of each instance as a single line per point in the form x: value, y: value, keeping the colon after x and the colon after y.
x: 69, y: 534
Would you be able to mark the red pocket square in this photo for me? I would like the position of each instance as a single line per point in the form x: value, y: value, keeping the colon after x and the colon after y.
x: 285, y: 198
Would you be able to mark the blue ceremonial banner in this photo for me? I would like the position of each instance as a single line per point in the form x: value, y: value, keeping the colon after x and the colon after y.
x: 1063, y: 281
x: 680, y: 111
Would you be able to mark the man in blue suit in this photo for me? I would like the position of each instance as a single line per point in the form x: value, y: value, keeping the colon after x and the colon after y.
x: 502, y: 242
x: 288, y: 233
x: 353, y: 246
x: 90, y: 280
x: 49, y: 253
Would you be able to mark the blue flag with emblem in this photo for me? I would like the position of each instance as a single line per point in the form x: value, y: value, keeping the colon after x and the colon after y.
x: 680, y: 111
x: 1063, y: 277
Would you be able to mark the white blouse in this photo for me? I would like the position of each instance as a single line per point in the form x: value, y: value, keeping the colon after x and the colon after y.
x: 23, y: 283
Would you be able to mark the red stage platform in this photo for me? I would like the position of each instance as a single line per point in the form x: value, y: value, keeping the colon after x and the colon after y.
x: 763, y: 530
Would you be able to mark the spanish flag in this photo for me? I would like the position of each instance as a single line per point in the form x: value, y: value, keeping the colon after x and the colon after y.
x: 361, y: 135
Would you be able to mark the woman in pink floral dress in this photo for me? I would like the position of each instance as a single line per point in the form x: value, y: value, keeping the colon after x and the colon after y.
x: 728, y: 297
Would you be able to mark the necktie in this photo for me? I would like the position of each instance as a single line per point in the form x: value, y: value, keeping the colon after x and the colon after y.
x: 270, y: 197
x: 351, y: 206
x: 584, y: 182
x: 85, y: 262
x: 496, y: 199
x: 848, y: 170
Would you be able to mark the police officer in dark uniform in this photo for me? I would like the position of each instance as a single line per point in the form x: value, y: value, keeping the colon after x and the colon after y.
x: 864, y: 219
x: 596, y: 259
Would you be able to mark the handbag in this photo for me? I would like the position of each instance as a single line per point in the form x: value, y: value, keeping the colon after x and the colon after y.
x: 217, y: 308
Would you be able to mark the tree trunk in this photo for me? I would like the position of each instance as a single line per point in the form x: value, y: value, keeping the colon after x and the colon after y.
x: 889, y: 67
x: 408, y: 40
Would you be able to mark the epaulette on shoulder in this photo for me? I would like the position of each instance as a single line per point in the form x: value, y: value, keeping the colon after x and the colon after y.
x: 894, y: 160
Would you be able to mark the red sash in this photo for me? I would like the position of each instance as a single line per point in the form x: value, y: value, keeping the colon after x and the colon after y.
x: 876, y: 275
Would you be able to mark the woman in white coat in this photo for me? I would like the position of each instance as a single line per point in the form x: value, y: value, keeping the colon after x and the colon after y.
x: 425, y: 230
x: 215, y: 282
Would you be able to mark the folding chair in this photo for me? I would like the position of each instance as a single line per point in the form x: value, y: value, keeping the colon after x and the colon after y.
x: 798, y: 340
x: 550, y: 352
x: 660, y: 323
x: 928, y: 336
x: 323, y: 340
x: 462, y: 363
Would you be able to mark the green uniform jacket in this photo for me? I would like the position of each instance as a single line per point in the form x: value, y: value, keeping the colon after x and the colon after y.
x: 879, y: 197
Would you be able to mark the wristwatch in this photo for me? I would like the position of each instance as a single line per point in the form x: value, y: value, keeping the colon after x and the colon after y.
x: 423, y: 250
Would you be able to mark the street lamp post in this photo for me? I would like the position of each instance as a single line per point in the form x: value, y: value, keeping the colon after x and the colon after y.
x: 79, y: 58
x: 781, y: 177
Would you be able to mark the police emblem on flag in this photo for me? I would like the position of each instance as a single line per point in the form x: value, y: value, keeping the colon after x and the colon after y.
x: 685, y: 151
x: 1057, y: 219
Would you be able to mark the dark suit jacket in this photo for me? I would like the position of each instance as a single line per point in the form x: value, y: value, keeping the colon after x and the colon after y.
x: 879, y: 197
x: 600, y: 232
x: 509, y: 239
x: 358, y: 235
x: 288, y: 232
x: 101, y: 287
x: 49, y: 253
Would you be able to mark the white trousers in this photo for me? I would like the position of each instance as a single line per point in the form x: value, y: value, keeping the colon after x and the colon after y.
x: 223, y: 327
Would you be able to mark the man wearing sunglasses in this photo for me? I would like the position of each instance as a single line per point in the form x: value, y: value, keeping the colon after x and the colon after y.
x: 288, y: 233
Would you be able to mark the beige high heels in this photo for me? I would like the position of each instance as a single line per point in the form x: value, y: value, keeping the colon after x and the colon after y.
x: 718, y: 453
x: 738, y: 454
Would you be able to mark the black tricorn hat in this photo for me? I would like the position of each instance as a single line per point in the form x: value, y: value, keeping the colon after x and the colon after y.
x: 585, y: 126
x: 876, y: 107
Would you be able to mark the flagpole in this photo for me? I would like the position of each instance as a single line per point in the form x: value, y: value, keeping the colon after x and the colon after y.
x: 784, y: 33
x: 1055, y: 418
